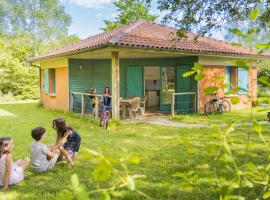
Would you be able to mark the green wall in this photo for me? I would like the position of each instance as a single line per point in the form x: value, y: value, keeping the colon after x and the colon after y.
x: 93, y: 73
x: 167, y: 62
x: 97, y: 73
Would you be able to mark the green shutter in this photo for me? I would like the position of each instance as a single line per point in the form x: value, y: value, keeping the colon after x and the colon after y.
x: 134, y: 77
x: 54, y: 81
x: 46, y: 81
x: 230, y: 77
x: 185, y: 103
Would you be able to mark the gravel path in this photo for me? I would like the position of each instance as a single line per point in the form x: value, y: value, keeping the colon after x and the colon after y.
x: 167, y: 122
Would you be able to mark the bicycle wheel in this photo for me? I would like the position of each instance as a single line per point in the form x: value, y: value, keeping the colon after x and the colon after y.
x: 106, y: 123
x: 209, y: 108
x: 225, y: 106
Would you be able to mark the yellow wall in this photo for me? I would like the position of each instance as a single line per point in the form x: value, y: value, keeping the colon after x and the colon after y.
x: 58, y: 101
x: 54, y: 63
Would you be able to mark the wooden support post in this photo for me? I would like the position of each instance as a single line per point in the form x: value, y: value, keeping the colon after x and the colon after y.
x: 96, y: 107
x: 172, y: 105
x: 71, y: 102
x: 115, y: 85
x: 82, y: 104
x: 195, y: 103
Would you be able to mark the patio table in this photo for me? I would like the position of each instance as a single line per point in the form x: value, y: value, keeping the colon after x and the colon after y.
x: 126, y: 107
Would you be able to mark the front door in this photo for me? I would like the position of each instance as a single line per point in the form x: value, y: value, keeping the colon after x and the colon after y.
x: 185, y: 103
x: 152, y: 86
x: 134, y: 77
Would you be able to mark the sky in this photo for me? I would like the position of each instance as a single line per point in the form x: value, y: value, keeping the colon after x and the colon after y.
x: 88, y: 16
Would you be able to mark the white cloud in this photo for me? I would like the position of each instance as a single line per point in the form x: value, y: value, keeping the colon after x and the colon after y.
x: 99, y: 15
x: 90, y: 3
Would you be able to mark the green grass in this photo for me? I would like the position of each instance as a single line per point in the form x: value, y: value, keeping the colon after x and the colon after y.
x: 264, y: 100
x: 237, y: 116
x: 164, y: 151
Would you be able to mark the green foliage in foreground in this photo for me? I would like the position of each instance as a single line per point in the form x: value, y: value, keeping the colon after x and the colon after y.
x: 168, y: 156
x: 236, y: 116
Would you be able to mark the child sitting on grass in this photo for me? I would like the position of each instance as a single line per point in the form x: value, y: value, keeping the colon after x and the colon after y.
x: 72, y: 145
x: 10, y: 173
x: 44, y: 158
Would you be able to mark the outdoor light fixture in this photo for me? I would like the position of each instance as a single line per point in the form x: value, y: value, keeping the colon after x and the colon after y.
x: 80, y: 67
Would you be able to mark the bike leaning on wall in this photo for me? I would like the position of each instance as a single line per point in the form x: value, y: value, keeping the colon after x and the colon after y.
x: 217, y: 105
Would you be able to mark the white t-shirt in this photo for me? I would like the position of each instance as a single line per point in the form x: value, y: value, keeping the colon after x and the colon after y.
x: 38, y: 157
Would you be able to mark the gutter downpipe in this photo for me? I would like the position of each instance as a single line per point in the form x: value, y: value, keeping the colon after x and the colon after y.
x: 39, y: 72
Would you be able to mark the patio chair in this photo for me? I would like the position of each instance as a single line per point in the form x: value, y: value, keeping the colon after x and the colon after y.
x: 142, y: 104
x: 135, y: 107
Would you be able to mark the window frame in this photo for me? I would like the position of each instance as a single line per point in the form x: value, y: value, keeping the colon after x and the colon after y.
x: 242, y: 92
x: 228, y: 70
x: 50, y: 81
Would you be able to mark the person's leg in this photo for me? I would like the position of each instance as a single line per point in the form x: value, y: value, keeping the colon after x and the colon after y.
x: 53, y: 161
x: 65, y: 153
x: 23, y: 163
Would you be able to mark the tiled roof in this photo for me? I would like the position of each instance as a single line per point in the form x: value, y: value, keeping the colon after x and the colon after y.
x: 147, y: 35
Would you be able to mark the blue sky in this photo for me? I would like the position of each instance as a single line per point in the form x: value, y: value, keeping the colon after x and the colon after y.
x: 88, y: 16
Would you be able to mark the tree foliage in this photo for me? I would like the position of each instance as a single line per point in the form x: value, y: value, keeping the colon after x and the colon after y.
x: 16, y: 76
x: 205, y: 16
x: 28, y: 28
x: 129, y: 11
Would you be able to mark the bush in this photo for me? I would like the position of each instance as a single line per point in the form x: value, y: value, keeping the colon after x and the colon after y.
x: 6, y: 97
x: 17, y: 77
x: 263, y: 92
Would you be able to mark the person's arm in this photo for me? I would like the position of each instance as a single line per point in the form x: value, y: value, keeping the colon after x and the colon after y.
x: 57, y: 146
x: 93, y: 100
x: 8, y: 170
x: 50, y: 152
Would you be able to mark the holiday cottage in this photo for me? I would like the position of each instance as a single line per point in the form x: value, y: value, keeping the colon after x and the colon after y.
x: 144, y: 58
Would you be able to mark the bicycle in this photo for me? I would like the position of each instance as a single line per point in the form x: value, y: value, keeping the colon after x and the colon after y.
x: 217, y: 105
x: 105, y: 115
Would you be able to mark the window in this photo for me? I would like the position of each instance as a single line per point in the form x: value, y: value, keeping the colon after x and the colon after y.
x: 242, y: 81
x: 49, y: 81
x: 168, y: 84
x: 228, y: 78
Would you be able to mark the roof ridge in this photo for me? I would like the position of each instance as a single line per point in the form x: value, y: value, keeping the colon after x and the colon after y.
x: 124, y: 32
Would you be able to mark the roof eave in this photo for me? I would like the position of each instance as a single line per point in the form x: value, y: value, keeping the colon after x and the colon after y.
x: 68, y: 53
x: 197, y: 53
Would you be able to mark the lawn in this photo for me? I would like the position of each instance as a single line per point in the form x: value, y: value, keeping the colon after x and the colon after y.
x: 236, y: 116
x: 163, y: 151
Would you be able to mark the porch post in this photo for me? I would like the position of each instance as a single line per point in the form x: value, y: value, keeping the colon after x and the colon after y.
x: 115, y: 85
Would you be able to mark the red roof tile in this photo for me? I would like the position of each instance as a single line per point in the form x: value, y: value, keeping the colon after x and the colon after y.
x: 147, y: 35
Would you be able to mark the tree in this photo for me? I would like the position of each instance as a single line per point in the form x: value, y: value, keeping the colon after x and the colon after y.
x: 205, y: 16
x: 129, y: 11
x: 28, y: 28
x: 43, y: 20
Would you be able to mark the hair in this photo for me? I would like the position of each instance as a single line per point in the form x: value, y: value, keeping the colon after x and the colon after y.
x: 61, y: 127
x: 4, y: 142
x: 108, y: 90
x: 37, y: 133
x: 92, y: 90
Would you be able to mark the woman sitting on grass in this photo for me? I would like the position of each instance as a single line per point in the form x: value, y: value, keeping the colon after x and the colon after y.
x: 10, y: 173
x: 72, y: 145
